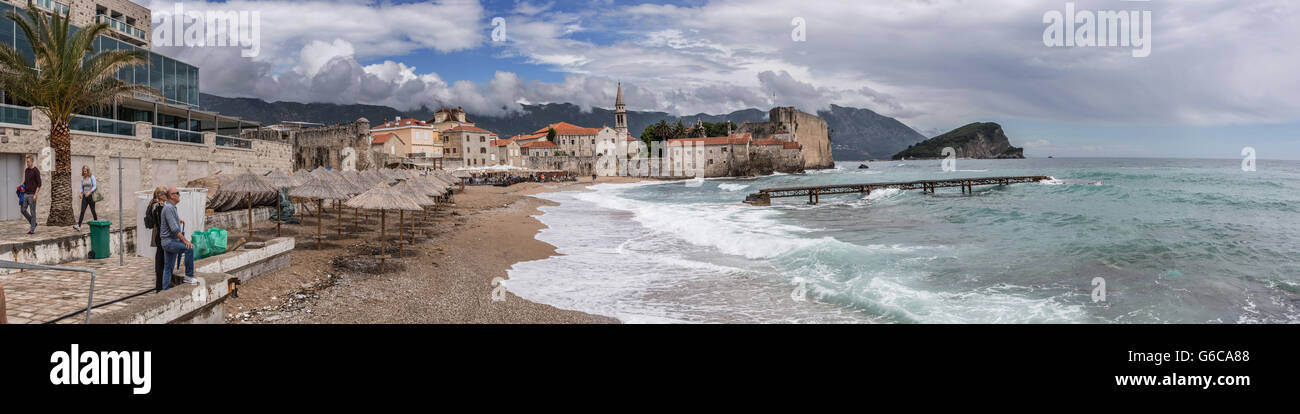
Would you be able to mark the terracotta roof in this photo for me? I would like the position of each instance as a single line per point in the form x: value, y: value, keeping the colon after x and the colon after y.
x: 382, y: 138
x: 768, y: 141
x: 791, y: 145
x: 538, y: 144
x: 470, y: 129
x: 503, y: 142
x: 408, y: 122
x: 565, y: 128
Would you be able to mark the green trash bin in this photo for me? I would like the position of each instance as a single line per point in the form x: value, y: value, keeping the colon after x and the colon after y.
x: 99, y: 239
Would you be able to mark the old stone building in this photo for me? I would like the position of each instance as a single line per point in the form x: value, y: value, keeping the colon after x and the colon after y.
x: 475, y: 143
x: 734, y: 156
x: 333, y: 146
x: 789, y: 124
x: 418, y: 137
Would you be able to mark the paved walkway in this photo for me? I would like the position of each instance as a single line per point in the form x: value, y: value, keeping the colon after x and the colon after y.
x: 42, y: 296
x: 15, y: 232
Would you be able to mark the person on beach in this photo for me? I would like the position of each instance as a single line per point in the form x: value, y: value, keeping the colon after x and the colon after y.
x: 31, y: 185
x: 89, y: 185
x: 152, y: 215
x: 172, y: 233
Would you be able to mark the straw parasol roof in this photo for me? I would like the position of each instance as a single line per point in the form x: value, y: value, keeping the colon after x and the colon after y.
x: 319, y: 187
x: 414, y: 192
x: 248, y: 183
x: 280, y: 180
x: 347, y: 182
x: 382, y: 197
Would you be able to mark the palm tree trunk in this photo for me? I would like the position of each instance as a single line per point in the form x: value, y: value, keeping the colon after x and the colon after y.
x: 61, y: 179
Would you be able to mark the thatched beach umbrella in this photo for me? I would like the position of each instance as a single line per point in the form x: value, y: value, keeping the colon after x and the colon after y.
x: 417, y: 194
x: 321, y: 189
x: 249, y: 184
x: 350, y: 182
x: 382, y: 198
x: 279, y: 180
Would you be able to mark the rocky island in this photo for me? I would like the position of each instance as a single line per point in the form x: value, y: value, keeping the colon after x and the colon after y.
x: 977, y: 140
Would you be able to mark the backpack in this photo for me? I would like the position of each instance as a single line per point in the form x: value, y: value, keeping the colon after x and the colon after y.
x: 151, y: 216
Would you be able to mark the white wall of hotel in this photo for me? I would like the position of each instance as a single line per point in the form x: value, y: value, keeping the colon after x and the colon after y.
x: 147, y: 161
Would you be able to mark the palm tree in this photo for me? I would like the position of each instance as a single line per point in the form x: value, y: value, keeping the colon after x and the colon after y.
x: 67, y: 82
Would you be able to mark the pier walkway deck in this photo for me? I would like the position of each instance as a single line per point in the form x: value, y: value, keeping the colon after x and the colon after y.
x: 764, y: 197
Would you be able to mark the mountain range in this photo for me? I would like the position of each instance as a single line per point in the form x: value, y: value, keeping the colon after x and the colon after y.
x: 856, y: 133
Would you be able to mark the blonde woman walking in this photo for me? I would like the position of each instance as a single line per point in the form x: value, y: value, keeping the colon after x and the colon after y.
x: 89, y: 195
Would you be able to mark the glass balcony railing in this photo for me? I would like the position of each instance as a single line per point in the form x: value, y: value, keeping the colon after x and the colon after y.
x: 120, y: 26
x: 178, y: 135
x: 232, y: 142
x: 101, y: 125
x: 58, y: 8
x: 19, y: 115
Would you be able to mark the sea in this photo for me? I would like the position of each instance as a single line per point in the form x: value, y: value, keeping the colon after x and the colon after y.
x: 1105, y: 241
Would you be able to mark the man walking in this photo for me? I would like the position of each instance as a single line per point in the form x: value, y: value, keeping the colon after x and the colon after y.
x: 31, y: 185
x: 172, y: 232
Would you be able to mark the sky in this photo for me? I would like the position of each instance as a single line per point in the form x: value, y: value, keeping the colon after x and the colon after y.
x: 1219, y: 75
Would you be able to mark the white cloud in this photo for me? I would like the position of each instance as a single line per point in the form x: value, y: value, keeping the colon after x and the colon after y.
x: 935, y: 64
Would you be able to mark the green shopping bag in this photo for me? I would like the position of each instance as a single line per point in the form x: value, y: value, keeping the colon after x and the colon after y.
x: 217, y: 240
x: 202, y: 247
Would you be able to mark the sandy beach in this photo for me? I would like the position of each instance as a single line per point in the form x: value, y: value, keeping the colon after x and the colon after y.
x: 445, y: 277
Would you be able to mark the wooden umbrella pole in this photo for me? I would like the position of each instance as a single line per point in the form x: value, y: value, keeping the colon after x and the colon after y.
x: 279, y: 213
x: 356, y: 215
x: 339, y: 208
x: 320, y: 205
x: 413, y: 221
x: 250, y: 217
x: 401, y: 218
x: 381, y: 241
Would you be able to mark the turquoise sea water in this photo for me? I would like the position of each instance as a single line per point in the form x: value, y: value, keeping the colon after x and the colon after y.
x: 1176, y: 241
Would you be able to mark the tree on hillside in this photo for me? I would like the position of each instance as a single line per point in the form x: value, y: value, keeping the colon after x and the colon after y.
x: 67, y: 82
x: 550, y: 135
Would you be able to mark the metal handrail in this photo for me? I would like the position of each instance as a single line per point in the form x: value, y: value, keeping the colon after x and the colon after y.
x: 90, y: 298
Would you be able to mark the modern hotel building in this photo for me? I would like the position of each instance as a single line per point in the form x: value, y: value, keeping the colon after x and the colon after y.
x: 163, y: 138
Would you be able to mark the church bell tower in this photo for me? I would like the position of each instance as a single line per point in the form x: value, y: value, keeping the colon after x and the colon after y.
x: 620, y: 113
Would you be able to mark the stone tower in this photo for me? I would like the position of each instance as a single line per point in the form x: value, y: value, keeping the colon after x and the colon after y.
x: 620, y: 113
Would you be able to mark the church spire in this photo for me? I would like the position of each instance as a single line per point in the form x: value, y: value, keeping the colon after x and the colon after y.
x: 620, y: 112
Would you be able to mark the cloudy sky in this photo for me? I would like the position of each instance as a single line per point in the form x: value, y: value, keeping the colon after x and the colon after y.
x: 1221, y: 74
